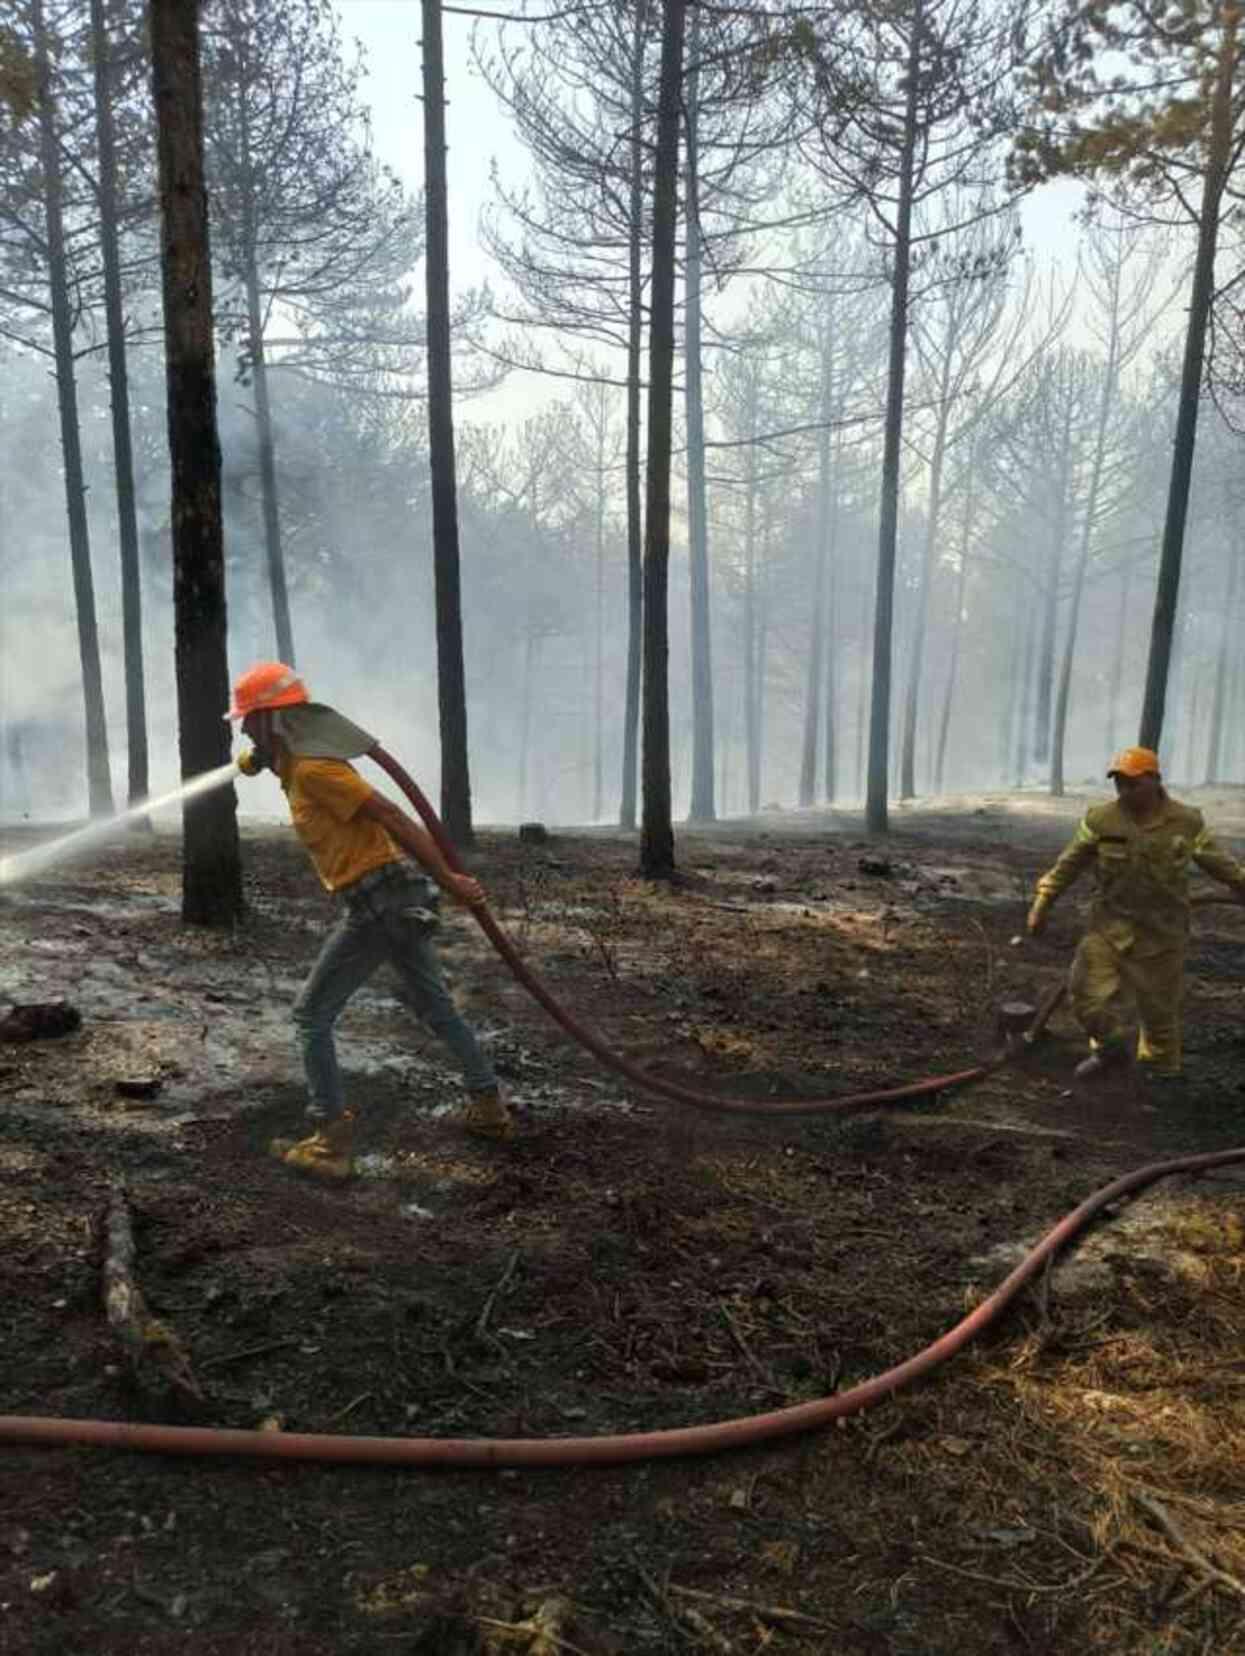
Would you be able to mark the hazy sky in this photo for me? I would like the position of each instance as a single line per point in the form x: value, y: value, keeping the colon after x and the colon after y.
x: 389, y: 31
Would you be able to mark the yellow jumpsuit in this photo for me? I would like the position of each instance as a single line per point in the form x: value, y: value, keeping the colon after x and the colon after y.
x: 1139, y: 923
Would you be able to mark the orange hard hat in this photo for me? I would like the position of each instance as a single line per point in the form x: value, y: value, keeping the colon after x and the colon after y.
x: 1134, y: 761
x: 267, y: 684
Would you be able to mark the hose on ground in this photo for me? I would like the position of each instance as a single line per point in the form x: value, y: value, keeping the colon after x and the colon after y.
x: 607, y: 1056
x: 612, y: 1449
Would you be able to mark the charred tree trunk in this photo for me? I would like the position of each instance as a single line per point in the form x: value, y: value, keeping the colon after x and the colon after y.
x: 957, y: 622
x: 862, y: 693
x: 702, y: 805
x: 1045, y: 689
x: 657, y: 833
x: 920, y: 625
x: 759, y: 675
x: 268, y: 489
x: 99, y: 781
x: 598, y: 687
x: 451, y: 671
x: 212, y: 869
x: 1200, y: 299
x: 876, y: 821
x: 525, y: 716
x: 1117, y: 661
x: 635, y: 522
x: 119, y: 385
x: 1229, y: 639
x: 1110, y: 379
x: 1016, y: 664
x: 830, y: 755
x: 819, y: 620
x: 752, y: 735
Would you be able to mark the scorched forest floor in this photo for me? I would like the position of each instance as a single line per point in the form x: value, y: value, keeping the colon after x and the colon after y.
x: 1074, y: 1481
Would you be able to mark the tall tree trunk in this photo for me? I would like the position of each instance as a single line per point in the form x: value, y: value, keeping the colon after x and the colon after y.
x: 1045, y: 689
x: 702, y: 806
x: 1235, y: 759
x: 635, y: 337
x: 1106, y: 401
x: 830, y: 745
x: 1190, y: 770
x: 451, y: 672
x: 525, y: 717
x: 212, y: 867
x: 862, y: 693
x: 727, y: 745
x: 1117, y: 660
x: 957, y: 620
x: 1229, y: 640
x: 99, y: 781
x: 657, y: 832
x: 1029, y: 621
x: 762, y: 668
x: 269, y: 493
x: 817, y: 617
x: 119, y: 384
x: 598, y: 687
x: 752, y: 735
x: 920, y: 623
x: 1200, y: 298
x: 880, y: 707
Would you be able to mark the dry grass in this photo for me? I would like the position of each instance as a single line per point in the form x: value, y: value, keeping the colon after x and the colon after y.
x: 1144, y: 1410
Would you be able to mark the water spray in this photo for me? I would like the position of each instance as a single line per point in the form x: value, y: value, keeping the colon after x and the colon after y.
x: 25, y: 865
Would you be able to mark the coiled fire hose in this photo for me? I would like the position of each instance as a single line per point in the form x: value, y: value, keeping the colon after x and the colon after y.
x: 615, y: 1448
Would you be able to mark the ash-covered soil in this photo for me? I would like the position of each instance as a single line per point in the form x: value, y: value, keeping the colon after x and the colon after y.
x: 1074, y: 1481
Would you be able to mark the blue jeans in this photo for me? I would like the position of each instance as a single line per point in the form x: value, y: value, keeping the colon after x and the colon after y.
x: 389, y: 915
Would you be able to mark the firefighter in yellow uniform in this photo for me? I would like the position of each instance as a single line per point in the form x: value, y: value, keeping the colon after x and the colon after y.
x: 1141, y: 847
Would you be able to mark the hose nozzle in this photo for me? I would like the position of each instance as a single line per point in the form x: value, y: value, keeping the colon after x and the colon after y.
x: 251, y: 762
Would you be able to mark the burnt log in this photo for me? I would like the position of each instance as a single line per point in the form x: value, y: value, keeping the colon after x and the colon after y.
x: 156, y: 1360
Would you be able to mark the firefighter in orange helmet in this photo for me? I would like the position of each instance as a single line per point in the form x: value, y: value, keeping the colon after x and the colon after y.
x: 1141, y: 848
x: 365, y: 850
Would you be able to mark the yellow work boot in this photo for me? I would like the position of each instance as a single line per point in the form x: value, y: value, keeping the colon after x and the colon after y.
x: 325, y: 1155
x: 486, y: 1116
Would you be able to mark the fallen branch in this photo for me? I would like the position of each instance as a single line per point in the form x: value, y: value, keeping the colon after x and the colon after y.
x: 247, y: 1351
x: 766, y: 1612
x: 733, y: 1329
x: 542, y: 1630
x: 486, y: 1313
x: 1191, y: 1554
x: 1018, y: 1584
x: 686, y: 1617
x: 157, y: 1361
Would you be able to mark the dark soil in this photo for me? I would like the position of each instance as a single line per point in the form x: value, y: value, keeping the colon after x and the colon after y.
x: 626, y: 1266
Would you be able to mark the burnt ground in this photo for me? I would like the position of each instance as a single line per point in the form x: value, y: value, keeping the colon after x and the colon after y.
x: 1073, y: 1481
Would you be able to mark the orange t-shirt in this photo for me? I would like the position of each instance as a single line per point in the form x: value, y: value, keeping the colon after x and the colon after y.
x: 325, y: 796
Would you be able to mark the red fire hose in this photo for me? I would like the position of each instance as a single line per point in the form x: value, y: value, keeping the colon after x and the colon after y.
x: 615, y: 1448
x: 606, y: 1055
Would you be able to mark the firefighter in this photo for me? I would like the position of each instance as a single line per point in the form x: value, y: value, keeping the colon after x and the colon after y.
x: 376, y: 861
x: 1140, y: 847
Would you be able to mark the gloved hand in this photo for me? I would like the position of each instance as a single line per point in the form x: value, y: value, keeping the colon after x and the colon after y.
x: 1036, y: 922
